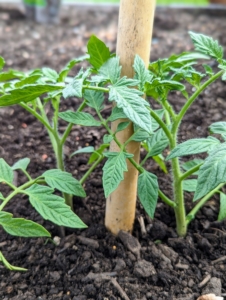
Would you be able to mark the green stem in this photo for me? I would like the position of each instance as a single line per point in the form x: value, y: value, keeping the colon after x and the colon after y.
x: 55, y: 104
x: 144, y: 160
x: 190, y: 172
x: 70, y: 125
x: 193, y: 212
x: 176, y: 174
x: 16, y: 191
x: 37, y: 116
x: 179, y: 209
x: 95, y: 88
x: 169, y: 112
x: 180, y: 213
x: 60, y: 165
x: 167, y: 200
x: 194, y: 96
x: 53, y: 134
x: 162, y: 125
x: 26, y: 174
x: 94, y: 165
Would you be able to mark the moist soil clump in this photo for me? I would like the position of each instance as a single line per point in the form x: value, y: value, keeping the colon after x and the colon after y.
x: 91, y: 263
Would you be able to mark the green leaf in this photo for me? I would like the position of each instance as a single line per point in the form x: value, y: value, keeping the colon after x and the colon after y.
x: 107, y: 138
x: 27, y: 81
x: 206, y: 45
x: 190, y: 185
x: 158, y: 86
x: 186, y: 57
x: 191, y: 164
x: 27, y: 93
x: 122, y: 126
x: 194, y: 78
x: 98, y: 51
x: 2, y: 197
x: 11, y: 74
x: 141, y: 72
x: 89, y: 149
x: 159, y: 159
x: 157, y: 143
x: 94, y: 99
x: 184, y: 60
x: 64, y: 182
x: 212, y: 172
x: 21, y: 164
x: 6, y: 172
x: 51, y: 74
x: 52, y: 207
x: 113, y: 171
x: 2, y: 62
x: 97, y: 153
x: 109, y: 71
x: 21, y: 227
x: 222, y: 212
x: 117, y: 113
x: 8, y: 265
x: 148, y: 192
x: 218, y: 127
x: 139, y: 134
x: 133, y: 105
x: 194, y: 146
x: 224, y: 76
x: 79, y: 118
x: 208, y: 69
x: 124, y: 81
x: 74, y: 89
x: 64, y: 72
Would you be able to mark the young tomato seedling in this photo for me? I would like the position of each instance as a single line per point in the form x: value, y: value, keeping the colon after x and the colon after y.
x: 156, y: 129
x: 40, y: 192
x: 27, y: 90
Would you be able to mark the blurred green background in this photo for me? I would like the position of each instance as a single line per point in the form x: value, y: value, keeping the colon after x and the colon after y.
x: 159, y: 2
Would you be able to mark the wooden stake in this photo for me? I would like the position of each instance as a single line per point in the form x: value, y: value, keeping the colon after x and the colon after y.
x: 134, y: 37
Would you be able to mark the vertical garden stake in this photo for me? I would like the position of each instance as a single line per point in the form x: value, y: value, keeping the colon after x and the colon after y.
x: 134, y: 37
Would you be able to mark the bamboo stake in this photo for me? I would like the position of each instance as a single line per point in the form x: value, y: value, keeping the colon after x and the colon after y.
x: 134, y: 37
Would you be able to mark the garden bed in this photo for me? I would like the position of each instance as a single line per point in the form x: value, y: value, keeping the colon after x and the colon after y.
x: 91, y: 263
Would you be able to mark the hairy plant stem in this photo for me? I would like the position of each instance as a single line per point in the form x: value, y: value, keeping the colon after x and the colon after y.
x: 179, y: 209
x: 54, y: 138
x: 166, y: 199
x: 162, y: 125
x: 180, y: 213
x: 195, y: 95
x: 193, y: 212
x: 190, y: 171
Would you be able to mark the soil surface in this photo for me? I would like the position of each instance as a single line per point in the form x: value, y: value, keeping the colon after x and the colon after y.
x: 91, y: 263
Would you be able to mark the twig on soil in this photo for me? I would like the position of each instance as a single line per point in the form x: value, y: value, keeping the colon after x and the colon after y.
x: 98, y: 276
x: 88, y: 242
x: 216, y: 261
x: 106, y: 276
x: 217, y: 229
x: 142, y: 226
x: 182, y: 266
x: 118, y: 287
x: 205, y: 280
x: 84, y: 202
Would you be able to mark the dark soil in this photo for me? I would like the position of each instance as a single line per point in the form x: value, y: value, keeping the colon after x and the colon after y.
x: 91, y: 263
